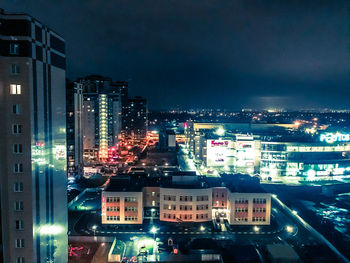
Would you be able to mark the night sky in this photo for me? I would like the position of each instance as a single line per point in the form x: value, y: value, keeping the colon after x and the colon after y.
x: 209, y: 54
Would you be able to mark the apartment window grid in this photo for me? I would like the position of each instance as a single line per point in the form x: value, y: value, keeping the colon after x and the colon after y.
x: 241, y: 219
x: 15, y: 89
x: 201, y: 216
x: 169, y: 207
x: 18, y: 168
x: 186, y: 207
x: 259, y: 201
x: 241, y: 209
x: 17, y: 148
x: 130, y: 199
x: 113, y: 218
x: 202, y: 207
x: 185, y: 217
x: 131, y: 209
x: 130, y: 218
x: 259, y: 209
x: 169, y: 198
x: 259, y: 219
x: 186, y: 198
x: 169, y: 216
x: 113, y: 199
x: 202, y: 198
x: 113, y: 208
x: 241, y: 201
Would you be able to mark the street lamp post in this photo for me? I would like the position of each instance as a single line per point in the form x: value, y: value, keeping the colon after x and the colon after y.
x: 154, y: 231
x: 94, y: 227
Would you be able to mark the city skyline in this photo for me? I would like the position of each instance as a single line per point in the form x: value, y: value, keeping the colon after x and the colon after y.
x: 178, y: 142
x: 261, y: 55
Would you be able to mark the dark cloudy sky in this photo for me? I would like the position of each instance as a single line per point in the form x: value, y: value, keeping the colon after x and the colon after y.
x: 208, y: 53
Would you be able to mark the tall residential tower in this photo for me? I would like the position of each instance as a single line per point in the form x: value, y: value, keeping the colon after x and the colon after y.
x: 33, y: 141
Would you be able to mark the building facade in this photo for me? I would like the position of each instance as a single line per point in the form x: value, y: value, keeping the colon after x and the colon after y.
x: 267, y: 153
x: 104, y: 101
x: 307, y: 159
x: 183, y: 199
x: 185, y: 205
x: 122, y: 207
x: 74, y: 97
x: 33, y: 139
x: 249, y: 208
x: 136, y: 122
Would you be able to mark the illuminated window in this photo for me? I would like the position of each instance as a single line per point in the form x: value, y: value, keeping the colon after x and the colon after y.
x: 15, y: 89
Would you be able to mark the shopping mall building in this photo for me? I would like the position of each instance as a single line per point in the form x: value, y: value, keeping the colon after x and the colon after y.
x: 267, y: 150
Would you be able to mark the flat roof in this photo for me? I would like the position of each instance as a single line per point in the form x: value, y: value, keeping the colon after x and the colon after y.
x: 282, y: 251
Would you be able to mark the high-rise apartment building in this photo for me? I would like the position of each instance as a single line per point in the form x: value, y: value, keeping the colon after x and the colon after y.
x: 74, y: 98
x: 33, y: 141
x: 103, y: 101
x: 136, y: 118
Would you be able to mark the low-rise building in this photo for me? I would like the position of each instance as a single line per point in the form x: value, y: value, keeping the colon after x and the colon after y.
x: 183, y: 197
x: 249, y: 208
x: 122, y: 203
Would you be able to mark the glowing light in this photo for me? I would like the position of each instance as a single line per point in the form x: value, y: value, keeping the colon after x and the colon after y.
x: 294, y: 212
x: 153, y: 230
x: 334, y: 137
x: 51, y: 230
x: 289, y: 229
x: 202, y: 228
x: 220, y: 131
x: 311, y: 174
x: 256, y: 228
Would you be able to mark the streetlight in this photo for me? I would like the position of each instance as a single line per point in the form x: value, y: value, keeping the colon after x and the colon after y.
x: 154, y: 231
x: 202, y: 228
x: 94, y: 227
x: 220, y: 131
x: 289, y: 229
x: 256, y: 228
x: 294, y: 212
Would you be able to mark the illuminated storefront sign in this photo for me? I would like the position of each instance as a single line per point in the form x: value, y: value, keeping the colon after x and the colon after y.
x: 220, y: 153
x: 335, y: 137
x: 219, y: 143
